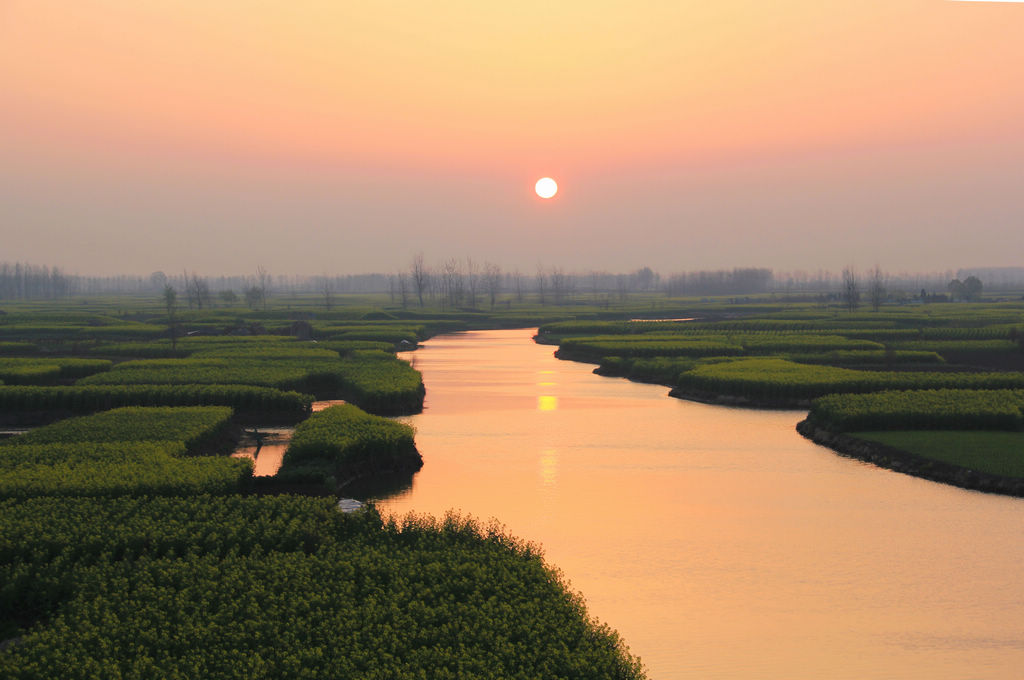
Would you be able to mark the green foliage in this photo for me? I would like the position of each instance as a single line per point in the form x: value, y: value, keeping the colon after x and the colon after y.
x: 393, y: 332
x: 946, y: 346
x: 284, y: 587
x: 34, y: 371
x: 18, y: 348
x: 772, y: 379
x: 346, y: 441
x: 878, y: 356
x: 597, y: 348
x: 996, y: 453
x: 375, y: 380
x: 196, y: 426
x: 212, y: 371
x: 116, y: 469
x: 278, y: 351
x: 345, y: 347
x: 766, y: 344
x: 946, y: 409
x: 246, y: 400
x: 149, y: 350
x: 662, y: 370
x: 380, y: 383
x: 70, y: 331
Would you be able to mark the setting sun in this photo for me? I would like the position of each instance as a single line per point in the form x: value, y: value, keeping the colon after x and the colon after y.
x: 546, y: 187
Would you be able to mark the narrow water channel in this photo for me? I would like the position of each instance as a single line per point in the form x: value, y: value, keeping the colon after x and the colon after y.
x: 265, y: 446
x: 717, y: 541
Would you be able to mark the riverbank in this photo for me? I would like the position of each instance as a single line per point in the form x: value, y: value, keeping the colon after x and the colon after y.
x: 907, y: 463
x: 876, y: 453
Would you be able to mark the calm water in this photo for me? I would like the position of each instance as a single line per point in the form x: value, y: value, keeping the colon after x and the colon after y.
x: 717, y: 541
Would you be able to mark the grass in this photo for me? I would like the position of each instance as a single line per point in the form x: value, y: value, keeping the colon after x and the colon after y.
x: 997, y: 453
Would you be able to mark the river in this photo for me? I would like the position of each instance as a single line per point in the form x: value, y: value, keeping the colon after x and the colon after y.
x: 716, y: 540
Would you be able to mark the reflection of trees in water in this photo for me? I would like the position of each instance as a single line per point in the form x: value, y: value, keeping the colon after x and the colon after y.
x: 379, y: 487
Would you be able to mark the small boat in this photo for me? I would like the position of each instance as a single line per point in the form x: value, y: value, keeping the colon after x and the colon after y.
x: 349, y: 505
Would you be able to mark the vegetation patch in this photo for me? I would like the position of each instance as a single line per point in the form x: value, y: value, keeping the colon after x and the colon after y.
x: 947, y: 409
x: 116, y: 469
x: 202, y: 429
x: 773, y: 379
x: 243, y: 587
x: 343, y: 442
x: 34, y: 371
x: 127, y: 451
x: 376, y: 380
x: 995, y: 453
x: 248, y: 401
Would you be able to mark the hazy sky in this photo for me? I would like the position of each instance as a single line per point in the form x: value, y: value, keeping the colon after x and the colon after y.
x: 343, y: 137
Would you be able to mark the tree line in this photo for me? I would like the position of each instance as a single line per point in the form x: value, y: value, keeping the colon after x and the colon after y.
x: 474, y: 284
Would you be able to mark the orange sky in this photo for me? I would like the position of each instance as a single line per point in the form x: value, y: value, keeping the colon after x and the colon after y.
x: 699, y: 118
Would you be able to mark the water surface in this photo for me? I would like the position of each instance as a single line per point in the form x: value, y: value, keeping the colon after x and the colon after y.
x: 718, y: 541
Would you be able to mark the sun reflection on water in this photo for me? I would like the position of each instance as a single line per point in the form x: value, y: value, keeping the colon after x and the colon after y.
x: 549, y: 467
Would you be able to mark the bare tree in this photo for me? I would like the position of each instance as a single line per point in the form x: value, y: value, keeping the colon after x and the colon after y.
x: 542, y: 283
x: 851, y: 289
x: 263, y: 281
x: 420, y: 277
x: 559, y: 285
x: 327, y: 290
x: 472, y: 281
x: 403, y: 289
x: 622, y: 286
x: 876, y: 288
x: 517, y: 282
x: 171, y: 302
x: 201, y: 291
x: 451, y: 282
x: 190, y: 291
x: 253, y: 295
x: 492, y: 280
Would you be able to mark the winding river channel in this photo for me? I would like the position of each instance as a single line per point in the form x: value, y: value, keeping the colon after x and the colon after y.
x: 716, y: 540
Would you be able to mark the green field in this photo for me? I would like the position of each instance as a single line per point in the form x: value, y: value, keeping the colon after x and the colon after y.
x: 282, y: 587
x: 996, y: 453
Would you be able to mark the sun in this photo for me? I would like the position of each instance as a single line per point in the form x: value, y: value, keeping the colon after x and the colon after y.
x: 546, y: 187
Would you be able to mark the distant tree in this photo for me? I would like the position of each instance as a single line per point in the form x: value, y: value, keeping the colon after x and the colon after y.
x: 158, y: 280
x: 228, y: 297
x: 201, y: 290
x: 492, y: 281
x: 876, y: 288
x: 622, y: 286
x: 327, y: 290
x: 472, y: 281
x: 403, y: 289
x: 420, y: 277
x: 972, y: 289
x: 956, y: 290
x: 517, y: 282
x: 645, y: 278
x: 560, y: 285
x: 542, y: 283
x: 191, y: 297
x: 851, y: 289
x: 170, y: 297
x: 263, y: 281
x: 253, y: 296
x: 451, y: 283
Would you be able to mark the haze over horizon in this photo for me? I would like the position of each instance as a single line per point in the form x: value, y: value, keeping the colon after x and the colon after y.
x: 324, y: 137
